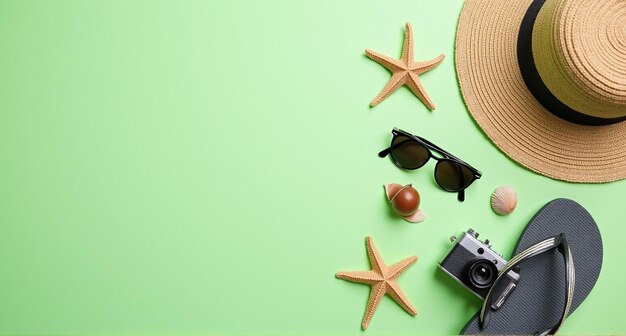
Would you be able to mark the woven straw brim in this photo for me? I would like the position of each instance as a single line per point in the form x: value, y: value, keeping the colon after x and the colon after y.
x: 498, y: 99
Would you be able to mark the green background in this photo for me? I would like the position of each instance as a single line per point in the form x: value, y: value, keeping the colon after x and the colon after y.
x: 208, y: 166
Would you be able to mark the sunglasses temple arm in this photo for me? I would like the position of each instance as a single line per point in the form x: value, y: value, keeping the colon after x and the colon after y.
x: 384, y: 152
x: 443, y: 151
x: 461, y: 193
x: 437, y: 148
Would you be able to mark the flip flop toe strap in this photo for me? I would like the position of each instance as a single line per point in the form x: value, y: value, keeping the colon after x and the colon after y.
x: 558, y: 242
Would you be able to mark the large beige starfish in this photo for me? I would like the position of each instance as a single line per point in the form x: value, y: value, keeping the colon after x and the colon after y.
x: 382, y: 278
x: 405, y: 71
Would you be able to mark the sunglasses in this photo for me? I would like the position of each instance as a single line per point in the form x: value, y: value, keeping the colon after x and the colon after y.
x: 411, y: 152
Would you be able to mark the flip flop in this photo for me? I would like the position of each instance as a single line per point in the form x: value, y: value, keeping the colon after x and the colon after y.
x: 559, y: 255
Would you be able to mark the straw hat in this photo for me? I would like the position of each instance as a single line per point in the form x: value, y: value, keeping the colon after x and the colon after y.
x: 546, y: 81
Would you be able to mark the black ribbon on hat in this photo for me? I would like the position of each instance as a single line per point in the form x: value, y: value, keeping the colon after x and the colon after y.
x: 536, y: 85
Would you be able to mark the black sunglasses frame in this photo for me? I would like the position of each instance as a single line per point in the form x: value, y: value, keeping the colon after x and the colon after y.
x: 430, y: 147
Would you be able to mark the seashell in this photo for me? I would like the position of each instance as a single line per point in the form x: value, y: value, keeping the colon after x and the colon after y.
x: 405, y: 202
x: 504, y: 200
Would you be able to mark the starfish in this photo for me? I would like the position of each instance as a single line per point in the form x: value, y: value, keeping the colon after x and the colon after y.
x: 405, y: 71
x: 382, y: 278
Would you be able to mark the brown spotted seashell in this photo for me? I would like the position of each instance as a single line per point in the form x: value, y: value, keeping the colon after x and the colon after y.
x: 414, y: 216
x: 504, y: 200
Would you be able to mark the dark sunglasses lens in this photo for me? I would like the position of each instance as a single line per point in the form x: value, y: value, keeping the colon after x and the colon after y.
x: 408, y: 153
x: 453, y: 176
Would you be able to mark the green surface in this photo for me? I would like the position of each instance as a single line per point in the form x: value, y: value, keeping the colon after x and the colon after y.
x: 207, y: 166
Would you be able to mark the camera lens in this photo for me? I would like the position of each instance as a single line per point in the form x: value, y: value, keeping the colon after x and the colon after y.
x: 482, y: 273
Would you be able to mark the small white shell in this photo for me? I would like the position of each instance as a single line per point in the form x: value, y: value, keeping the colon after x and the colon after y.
x: 503, y: 200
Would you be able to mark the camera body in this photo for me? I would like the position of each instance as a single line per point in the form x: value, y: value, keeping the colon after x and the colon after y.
x: 475, y: 265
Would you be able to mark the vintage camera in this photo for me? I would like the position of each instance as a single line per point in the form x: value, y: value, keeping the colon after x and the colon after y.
x: 475, y: 265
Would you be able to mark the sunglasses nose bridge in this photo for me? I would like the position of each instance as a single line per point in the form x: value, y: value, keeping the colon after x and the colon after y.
x: 436, y: 157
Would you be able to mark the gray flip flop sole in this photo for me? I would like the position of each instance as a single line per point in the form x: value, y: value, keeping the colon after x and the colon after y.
x: 538, y: 301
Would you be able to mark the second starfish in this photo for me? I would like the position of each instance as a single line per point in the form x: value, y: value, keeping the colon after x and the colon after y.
x: 405, y: 71
x: 383, y: 280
